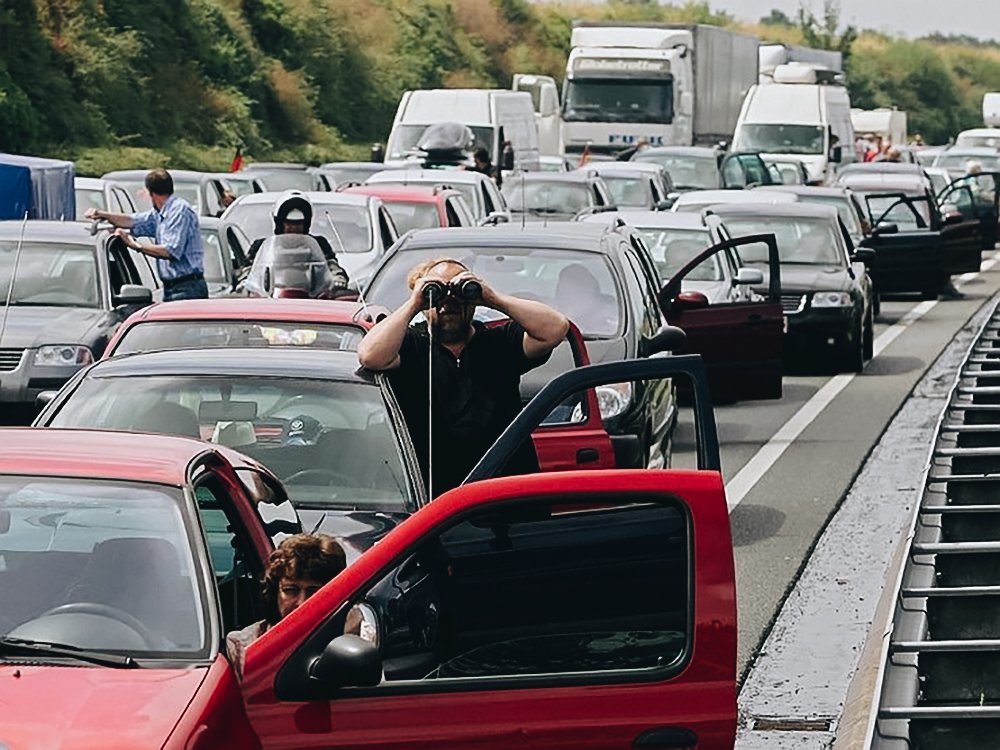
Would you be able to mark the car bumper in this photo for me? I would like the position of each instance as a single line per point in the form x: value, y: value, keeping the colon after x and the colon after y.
x: 22, y: 384
x: 827, y: 327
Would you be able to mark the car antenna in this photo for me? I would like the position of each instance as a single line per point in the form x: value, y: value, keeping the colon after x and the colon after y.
x: 343, y: 251
x: 524, y: 201
x: 13, y: 275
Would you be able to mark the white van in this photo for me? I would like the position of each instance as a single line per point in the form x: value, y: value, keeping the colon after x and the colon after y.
x: 800, y: 116
x: 495, y: 116
x: 544, y: 93
x: 890, y: 124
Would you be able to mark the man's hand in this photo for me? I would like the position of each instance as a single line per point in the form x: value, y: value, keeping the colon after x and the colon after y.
x: 490, y: 298
x: 128, y: 239
x: 416, y: 301
x: 93, y: 214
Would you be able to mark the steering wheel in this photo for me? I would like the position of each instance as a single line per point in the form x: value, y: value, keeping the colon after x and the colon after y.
x: 321, y: 477
x: 151, y: 640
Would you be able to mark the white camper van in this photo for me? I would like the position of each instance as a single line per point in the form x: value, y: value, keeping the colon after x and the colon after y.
x: 799, y: 116
x: 495, y: 116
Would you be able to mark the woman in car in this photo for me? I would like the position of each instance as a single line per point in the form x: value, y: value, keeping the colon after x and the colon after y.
x: 296, y: 570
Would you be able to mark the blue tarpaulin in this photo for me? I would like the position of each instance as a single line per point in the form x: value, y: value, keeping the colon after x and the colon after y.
x: 42, y: 187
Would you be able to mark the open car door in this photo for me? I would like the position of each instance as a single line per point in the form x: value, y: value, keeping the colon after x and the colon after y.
x: 742, y: 343
x: 916, y: 249
x: 976, y: 198
x: 579, y: 610
x: 744, y: 169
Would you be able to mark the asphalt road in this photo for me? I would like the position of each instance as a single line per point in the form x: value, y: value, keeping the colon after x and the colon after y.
x: 780, y: 516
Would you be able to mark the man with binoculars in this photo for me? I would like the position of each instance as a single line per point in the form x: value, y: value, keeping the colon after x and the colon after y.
x: 456, y: 374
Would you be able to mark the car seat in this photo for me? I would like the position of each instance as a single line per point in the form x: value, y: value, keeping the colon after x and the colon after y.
x: 168, y: 418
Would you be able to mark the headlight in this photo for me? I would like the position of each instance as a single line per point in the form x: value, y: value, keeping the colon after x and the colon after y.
x: 613, y: 399
x: 831, y: 299
x: 362, y: 622
x: 63, y: 356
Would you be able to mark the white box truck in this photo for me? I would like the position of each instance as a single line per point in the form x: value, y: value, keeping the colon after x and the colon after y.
x: 890, y: 124
x: 666, y: 84
x: 494, y: 115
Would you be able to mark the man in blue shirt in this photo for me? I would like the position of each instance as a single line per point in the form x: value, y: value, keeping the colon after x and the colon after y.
x: 173, y: 225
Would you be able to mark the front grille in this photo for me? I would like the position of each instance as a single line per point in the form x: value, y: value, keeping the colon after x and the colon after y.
x: 10, y: 359
x: 792, y: 303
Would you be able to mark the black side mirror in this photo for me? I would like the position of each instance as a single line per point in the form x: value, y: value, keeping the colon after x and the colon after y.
x: 953, y: 218
x: 667, y: 339
x: 885, y: 228
x: 378, y: 153
x: 665, y: 205
x: 863, y: 255
x: 837, y: 154
x: 507, y: 159
x: 347, y: 661
x: 44, y: 398
x: 133, y: 295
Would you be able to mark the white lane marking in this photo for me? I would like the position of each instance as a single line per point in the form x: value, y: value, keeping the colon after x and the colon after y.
x: 761, y: 462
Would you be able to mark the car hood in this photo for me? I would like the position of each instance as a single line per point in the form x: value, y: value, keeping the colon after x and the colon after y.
x: 357, y: 530
x: 97, y: 706
x: 810, y: 279
x: 29, y: 327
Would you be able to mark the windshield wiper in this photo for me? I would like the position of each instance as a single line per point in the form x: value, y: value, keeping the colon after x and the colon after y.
x: 9, y: 646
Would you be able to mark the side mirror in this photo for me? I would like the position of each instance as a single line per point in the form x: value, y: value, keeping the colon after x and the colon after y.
x: 837, y: 154
x: 347, y: 661
x: 749, y: 277
x: 507, y: 159
x: 667, y: 339
x: 133, y: 295
x: 44, y: 398
x: 665, y: 205
x: 691, y: 301
x: 953, y: 217
x: 378, y: 153
x: 494, y: 218
x: 885, y: 228
x: 863, y: 255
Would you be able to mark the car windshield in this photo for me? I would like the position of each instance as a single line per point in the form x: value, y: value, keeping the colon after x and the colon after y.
x: 331, y: 443
x: 100, y: 565
x: 87, y: 199
x: 891, y: 209
x: 844, y: 209
x: 629, y: 191
x: 49, y: 274
x: 353, y: 223
x: 673, y: 248
x: 686, y: 172
x: 468, y: 190
x: 160, y: 335
x: 215, y: 269
x: 780, y: 139
x: 979, y: 141
x: 547, y: 197
x: 579, y: 284
x: 189, y: 191
x: 403, y: 139
x: 619, y: 100
x: 801, y: 240
x: 407, y: 216
x: 989, y: 163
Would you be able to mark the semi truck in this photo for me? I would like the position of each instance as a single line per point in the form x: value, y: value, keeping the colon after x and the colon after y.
x: 665, y: 84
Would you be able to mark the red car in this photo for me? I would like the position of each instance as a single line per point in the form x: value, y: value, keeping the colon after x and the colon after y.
x: 577, y: 610
x: 420, y: 206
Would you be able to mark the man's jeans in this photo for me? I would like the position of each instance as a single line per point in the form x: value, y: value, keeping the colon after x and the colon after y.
x: 194, y: 289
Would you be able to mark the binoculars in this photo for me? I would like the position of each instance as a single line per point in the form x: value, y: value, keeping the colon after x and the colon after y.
x: 464, y: 291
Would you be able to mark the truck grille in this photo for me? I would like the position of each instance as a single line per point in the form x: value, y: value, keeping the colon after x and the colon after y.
x: 10, y: 359
x: 792, y: 303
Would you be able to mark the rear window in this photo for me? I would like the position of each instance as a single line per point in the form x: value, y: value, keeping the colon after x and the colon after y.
x: 215, y: 334
x: 352, y: 224
x: 672, y: 249
x: 407, y: 216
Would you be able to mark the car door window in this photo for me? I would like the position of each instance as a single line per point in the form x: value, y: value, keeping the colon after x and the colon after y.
x: 449, y: 209
x: 387, y: 227
x: 650, y: 312
x: 488, y: 204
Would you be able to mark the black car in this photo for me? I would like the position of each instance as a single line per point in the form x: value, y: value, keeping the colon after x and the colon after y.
x: 70, y: 291
x: 826, y: 293
x: 601, y: 277
x: 555, y: 196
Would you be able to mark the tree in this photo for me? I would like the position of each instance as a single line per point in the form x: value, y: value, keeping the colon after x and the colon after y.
x: 777, y: 18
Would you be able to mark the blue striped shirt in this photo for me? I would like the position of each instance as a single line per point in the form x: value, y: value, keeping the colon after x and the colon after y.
x: 175, y: 227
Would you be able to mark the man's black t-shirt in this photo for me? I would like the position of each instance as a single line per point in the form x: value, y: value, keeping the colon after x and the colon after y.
x: 475, y: 398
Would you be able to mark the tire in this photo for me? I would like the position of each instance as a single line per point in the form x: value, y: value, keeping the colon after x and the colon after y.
x: 868, y: 336
x: 854, y: 352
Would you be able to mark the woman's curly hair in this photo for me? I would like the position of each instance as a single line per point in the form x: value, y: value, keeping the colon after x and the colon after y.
x: 312, y: 557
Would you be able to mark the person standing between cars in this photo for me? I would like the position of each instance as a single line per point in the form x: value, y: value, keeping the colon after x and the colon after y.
x: 476, y: 370
x: 299, y: 567
x: 173, y: 225
x: 483, y: 164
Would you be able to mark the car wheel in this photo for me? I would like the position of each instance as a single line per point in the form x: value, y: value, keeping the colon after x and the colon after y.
x: 876, y: 303
x: 869, y: 336
x: 854, y: 352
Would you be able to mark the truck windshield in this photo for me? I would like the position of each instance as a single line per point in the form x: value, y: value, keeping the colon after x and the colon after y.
x: 404, y: 139
x: 780, y: 139
x: 619, y: 100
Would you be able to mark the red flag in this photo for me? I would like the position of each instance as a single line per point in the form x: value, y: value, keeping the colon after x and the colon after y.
x: 585, y: 156
x: 237, y: 162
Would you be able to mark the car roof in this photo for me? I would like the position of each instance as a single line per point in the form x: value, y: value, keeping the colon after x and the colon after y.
x: 859, y: 181
x: 582, y: 175
x: 574, y: 235
x: 315, y: 197
x: 439, y: 176
x: 71, y: 232
x: 396, y: 193
x: 650, y: 219
x: 129, y: 456
x: 705, y: 151
x: 89, y: 183
x: 881, y: 167
x: 374, y: 166
x: 646, y: 167
x: 806, y: 190
x: 253, y: 166
x: 697, y: 197
x: 254, y: 308
x: 782, y: 211
x: 971, y: 151
x: 284, y: 362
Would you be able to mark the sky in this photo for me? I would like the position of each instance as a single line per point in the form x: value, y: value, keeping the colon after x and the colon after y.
x: 913, y: 18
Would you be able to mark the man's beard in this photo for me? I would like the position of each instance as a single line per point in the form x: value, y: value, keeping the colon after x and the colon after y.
x: 451, y: 328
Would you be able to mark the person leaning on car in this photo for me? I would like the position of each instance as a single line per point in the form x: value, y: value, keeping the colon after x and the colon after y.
x: 476, y: 369
x: 173, y: 224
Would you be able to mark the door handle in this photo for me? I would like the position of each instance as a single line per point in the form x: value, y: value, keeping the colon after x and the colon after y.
x: 675, y: 738
x: 587, y: 455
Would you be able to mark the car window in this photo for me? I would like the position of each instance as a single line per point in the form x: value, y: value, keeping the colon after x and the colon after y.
x: 673, y: 248
x: 215, y: 265
x: 87, y: 199
x: 650, y: 306
x: 451, y: 213
x: 163, y: 335
x: 329, y: 442
x: 354, y: 232
x: 114, y: 553
x: 555, y: 604
x: 49, y: 274
x: 410, y: 215
x: 630, y: 192
x: 488, y: 203
x: 556, y: 197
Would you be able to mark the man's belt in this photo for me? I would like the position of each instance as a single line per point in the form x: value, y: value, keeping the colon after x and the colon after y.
x: 167, y: 283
